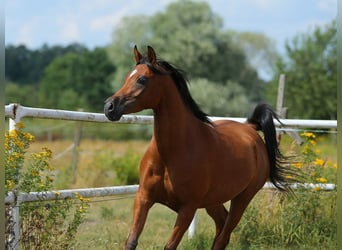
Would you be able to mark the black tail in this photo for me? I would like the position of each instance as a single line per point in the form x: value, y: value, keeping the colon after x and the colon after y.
x: 262, y: 117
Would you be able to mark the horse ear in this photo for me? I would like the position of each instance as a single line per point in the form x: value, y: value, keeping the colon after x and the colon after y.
x: 151, y: 55
x: 137, y: 55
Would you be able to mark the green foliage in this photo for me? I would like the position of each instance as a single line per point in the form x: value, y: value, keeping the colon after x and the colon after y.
x: 43, y: 225
x: 191, y: 36
x: 81, y: 81
x: 260, y: 50
x: 25, y: 66
x: 311, y: 74
x: 220, y: 100
x: 23, y: 94
x: 127, y: 167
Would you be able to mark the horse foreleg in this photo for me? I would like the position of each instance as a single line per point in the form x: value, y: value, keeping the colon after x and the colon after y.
x: 219, y: 215
x: 140, y: 211
x: 184, y: 218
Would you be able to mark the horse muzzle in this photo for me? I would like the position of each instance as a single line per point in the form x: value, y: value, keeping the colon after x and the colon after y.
x: 114, y: 108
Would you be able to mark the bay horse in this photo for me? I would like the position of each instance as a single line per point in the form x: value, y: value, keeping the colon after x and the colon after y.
x: 192, y: 162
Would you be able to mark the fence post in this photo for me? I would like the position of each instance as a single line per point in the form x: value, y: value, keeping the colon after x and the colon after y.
x: 14, y: 211
x: 282, y: 112
x: 77, y: 141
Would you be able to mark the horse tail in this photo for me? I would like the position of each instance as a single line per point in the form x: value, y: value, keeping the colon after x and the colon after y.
x: 262, y: 118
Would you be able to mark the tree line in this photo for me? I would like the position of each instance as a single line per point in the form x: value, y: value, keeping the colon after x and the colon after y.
x: 222, y: 65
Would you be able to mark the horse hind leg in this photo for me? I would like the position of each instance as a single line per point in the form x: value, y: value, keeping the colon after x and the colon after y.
x: 184, y: 218
x: 237, y: 208
x: 219, y: 215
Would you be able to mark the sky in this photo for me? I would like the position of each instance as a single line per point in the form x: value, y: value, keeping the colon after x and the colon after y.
x: 91, y: 22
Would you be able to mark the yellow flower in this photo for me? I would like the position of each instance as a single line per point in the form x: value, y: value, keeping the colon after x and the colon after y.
x: 318, y: 151
x: 19, y: 125
x: 289, y: 177
x: 298, y: 164
x: 312, y: 142
x: 10, y: 184
x: 322, y: 180
x: 35, y: 173
x: 28, y: 137
x: 13, y: 133
x: 19, y: 144
x: 46, y: 152
x: 319, y: 162
x: 308, y: 135
x: 56, y: 193
x: 317, y: 188
x: 335, y: 165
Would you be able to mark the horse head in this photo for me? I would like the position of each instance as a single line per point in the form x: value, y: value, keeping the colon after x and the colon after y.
x: 140, y: 89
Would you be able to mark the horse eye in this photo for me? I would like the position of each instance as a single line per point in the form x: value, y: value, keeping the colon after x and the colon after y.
x: 142, y: 80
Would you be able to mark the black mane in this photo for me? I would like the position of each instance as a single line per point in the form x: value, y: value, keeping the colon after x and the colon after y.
x: 181, y: 83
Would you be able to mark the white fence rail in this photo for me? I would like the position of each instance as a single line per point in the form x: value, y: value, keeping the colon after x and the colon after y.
x: 16, y: 112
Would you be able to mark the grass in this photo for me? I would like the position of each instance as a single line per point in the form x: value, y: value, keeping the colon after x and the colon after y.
x: 270, y: 222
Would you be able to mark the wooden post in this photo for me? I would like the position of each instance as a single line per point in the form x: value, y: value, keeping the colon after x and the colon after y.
x: 280, y: 97
x: 282, y: 112
x: 77, y: 141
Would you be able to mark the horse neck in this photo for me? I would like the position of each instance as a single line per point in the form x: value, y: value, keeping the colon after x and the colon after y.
x: 174, y: 124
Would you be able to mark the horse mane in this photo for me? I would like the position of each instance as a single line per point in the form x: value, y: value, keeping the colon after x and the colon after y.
x: 181, y: 82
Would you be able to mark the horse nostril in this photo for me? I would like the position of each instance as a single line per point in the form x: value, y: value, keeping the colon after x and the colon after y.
x: 111, y: 107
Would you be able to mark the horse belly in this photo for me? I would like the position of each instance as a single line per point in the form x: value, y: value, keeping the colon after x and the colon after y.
x: 233, y: 172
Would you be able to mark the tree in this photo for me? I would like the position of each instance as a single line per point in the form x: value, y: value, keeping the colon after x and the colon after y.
x: 26, y: 67
x: 26, y: 95
x: 311, y: 74
x: 128, y: 33
x: 81, y: 81
x: 259, y: 49
x: 191, y: 36
x: 229, y: 99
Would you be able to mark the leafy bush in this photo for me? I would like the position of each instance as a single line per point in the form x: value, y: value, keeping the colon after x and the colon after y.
x: 127, y: 167
x: 303, y: 220
x: 43, y: 224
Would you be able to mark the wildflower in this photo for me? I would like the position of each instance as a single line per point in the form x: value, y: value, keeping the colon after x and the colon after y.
x: 313, y: 142
x: 13, y: 133
x: 46, y: 152
x: 56, y: 193
x: 34, y: 173
x: 322, y: 180
x: 289, y: 177
x: 298, y: 164
x: 28, y: 136
x: 318, y: 151
x: 19, y: 144
x: 317, y: 188
x: 19, y: 125
x: 308, y: 135
x: 319, y: 162
x: 335, y: 165
x: 10, y: 184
